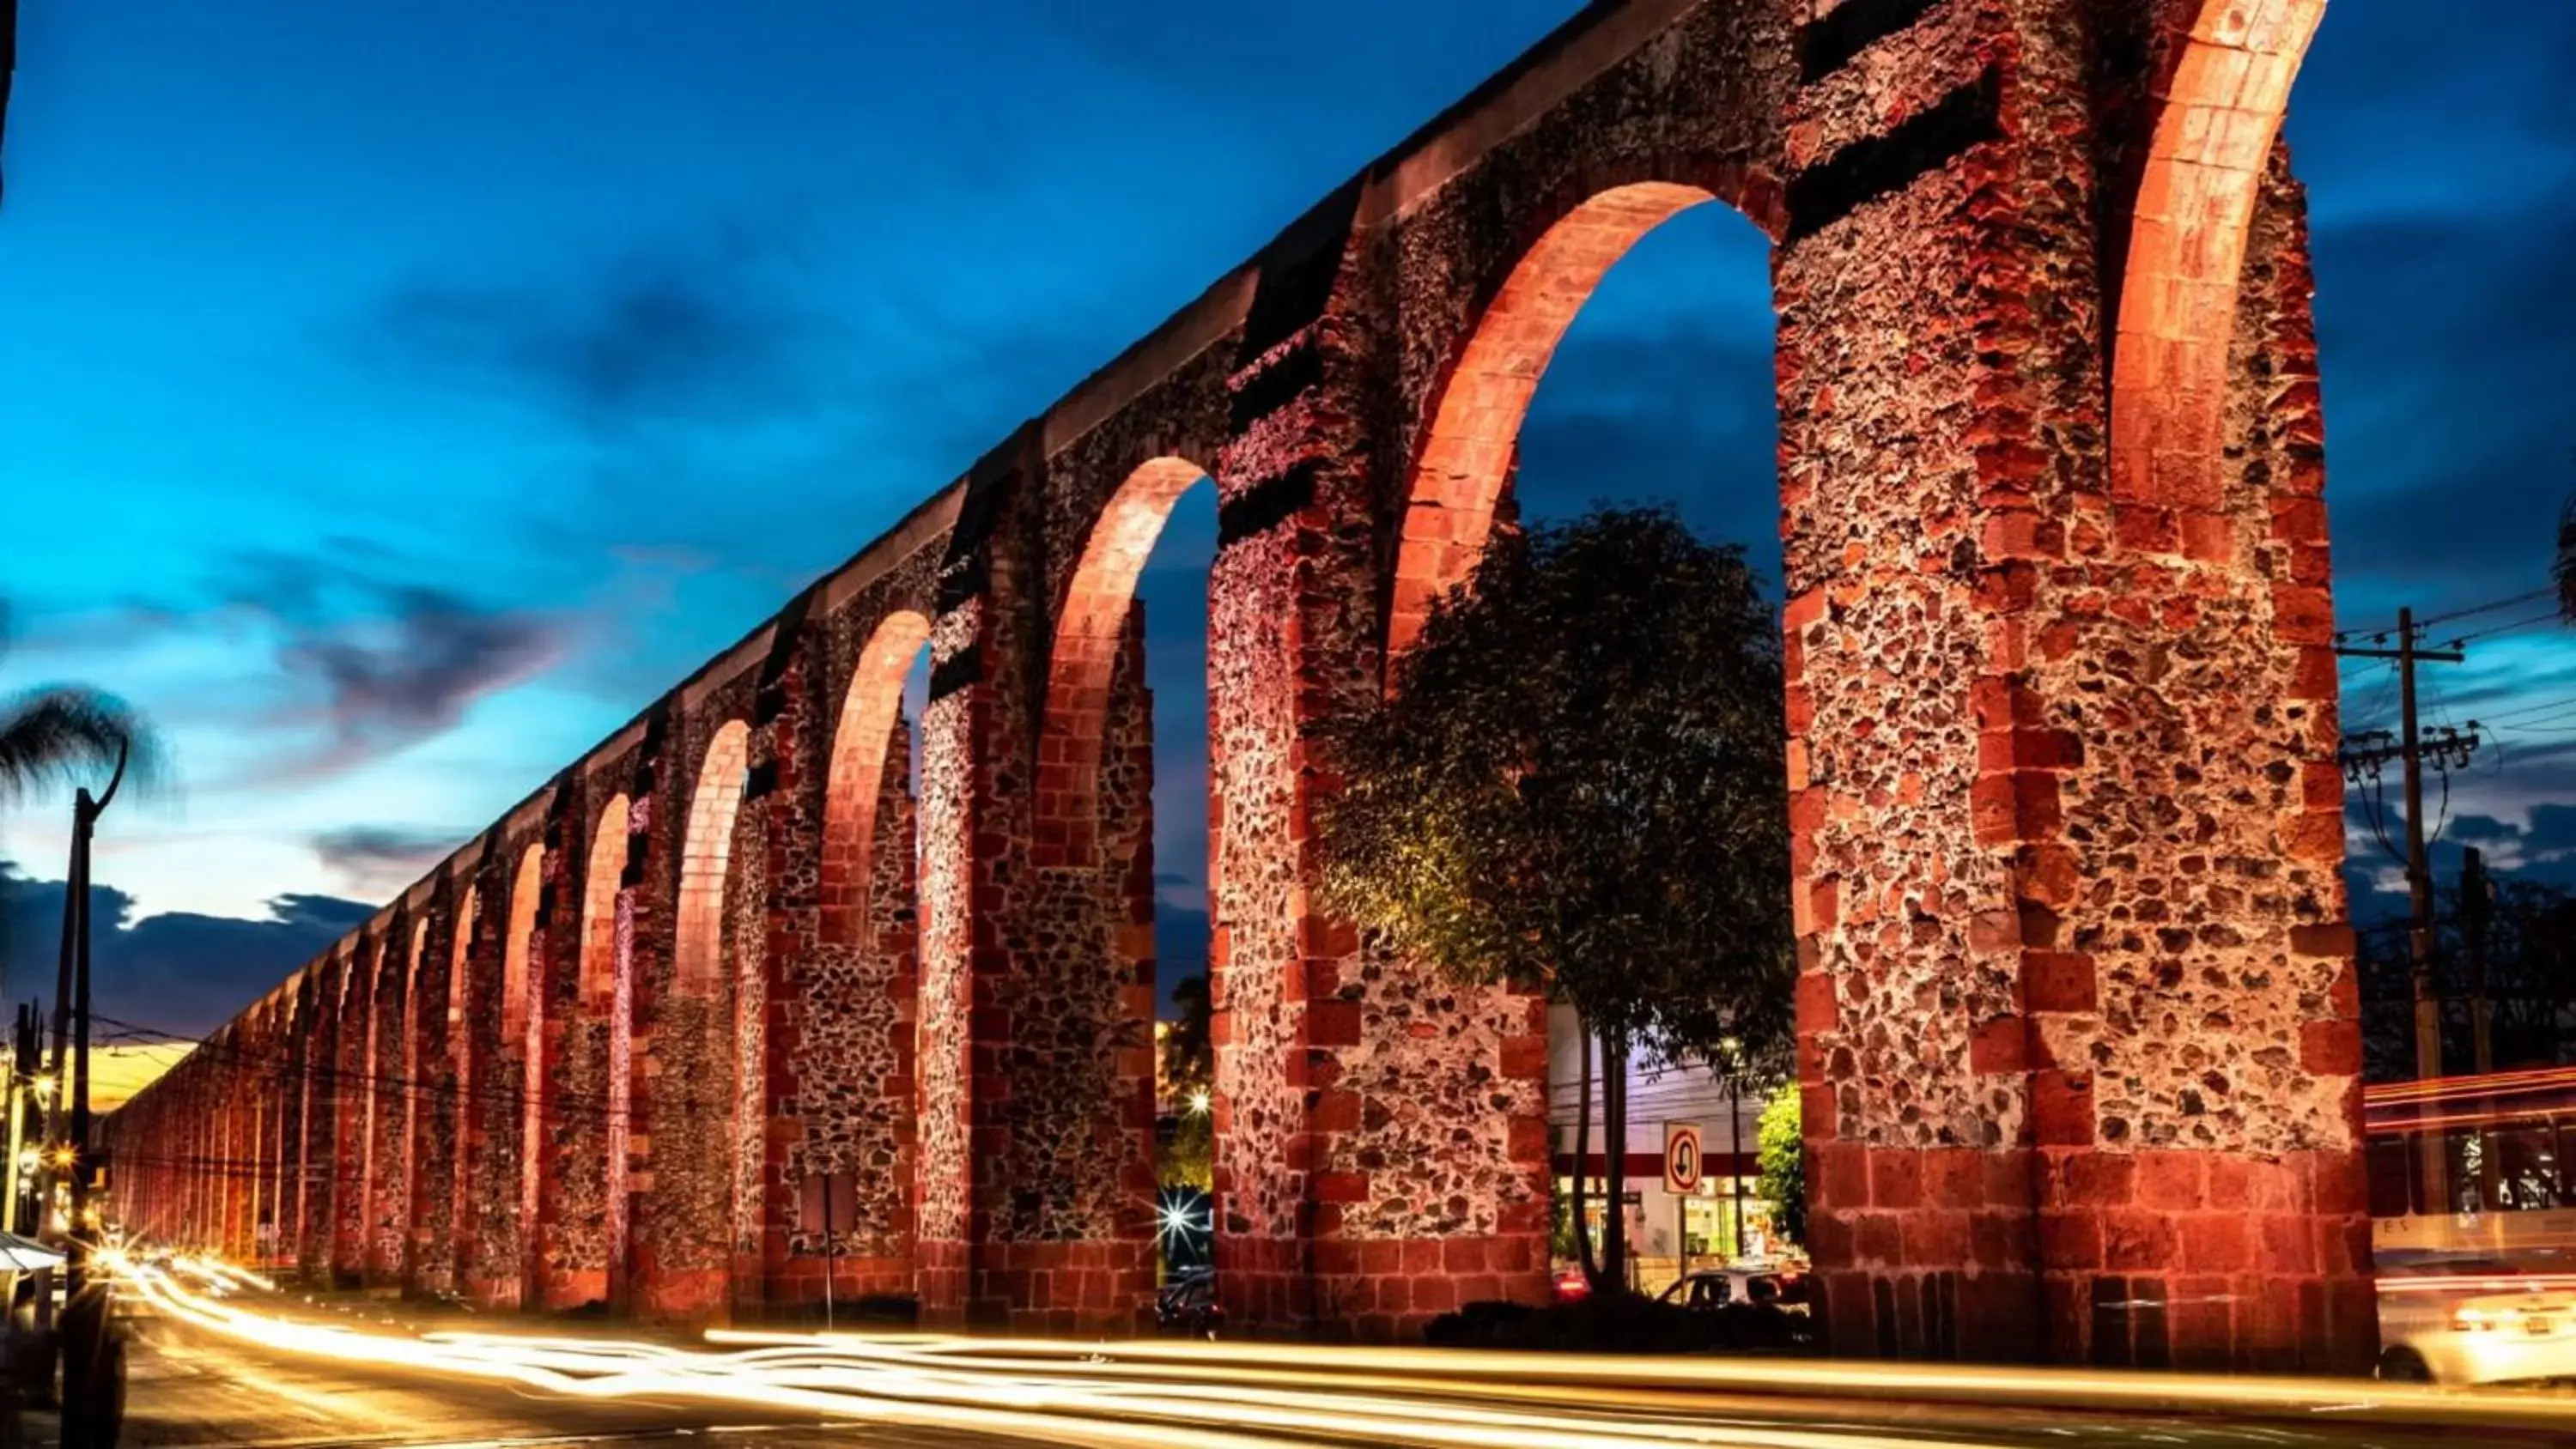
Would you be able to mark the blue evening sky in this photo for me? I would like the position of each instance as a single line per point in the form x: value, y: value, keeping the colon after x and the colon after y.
x: 398, y: 396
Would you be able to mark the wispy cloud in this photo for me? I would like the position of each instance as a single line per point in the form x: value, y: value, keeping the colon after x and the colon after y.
x: 378, y: 860
x: 700, y: 328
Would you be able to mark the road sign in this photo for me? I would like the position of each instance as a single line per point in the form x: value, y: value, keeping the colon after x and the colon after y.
x: 1681, y: 1158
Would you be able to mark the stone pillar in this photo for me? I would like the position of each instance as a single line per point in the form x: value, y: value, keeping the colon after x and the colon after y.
x: 554, y: 950
x: 354, y: 981
x: 390, y: 1090
x: 486, y: 1102
x: 962, y: 841
x: 439, y: 1222
x: 579, y: 1138
x: 322, y: 1082
x: 686, y: 1095
x: 295, y: 1104
x: 2078, y: 1055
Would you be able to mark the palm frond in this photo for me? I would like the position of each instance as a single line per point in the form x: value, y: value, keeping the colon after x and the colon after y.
x: 65, y: 734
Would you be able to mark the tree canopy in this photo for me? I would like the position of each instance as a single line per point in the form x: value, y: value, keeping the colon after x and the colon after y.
x: 1577, y: 780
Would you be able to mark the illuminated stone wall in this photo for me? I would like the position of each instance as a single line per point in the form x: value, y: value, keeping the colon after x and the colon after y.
x: 2078, y: 1049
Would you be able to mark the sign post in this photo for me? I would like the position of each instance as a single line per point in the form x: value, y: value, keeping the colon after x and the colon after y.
x: 1681, y: 1179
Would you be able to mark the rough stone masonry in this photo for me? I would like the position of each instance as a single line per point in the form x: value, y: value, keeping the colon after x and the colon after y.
x: 2077, y: 1018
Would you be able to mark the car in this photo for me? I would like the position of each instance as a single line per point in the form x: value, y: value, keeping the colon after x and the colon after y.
x: 1187, y: 1304
x: 2474, y: 1321
x: 1757, y: 1284
x: 2485, y: 1338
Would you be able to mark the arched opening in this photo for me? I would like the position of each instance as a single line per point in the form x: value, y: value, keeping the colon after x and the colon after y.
x: 455, y: 1108
x: 1124, y: 808
x: 523, y: 1030
x: 595, y: 1052
x: 600, y: 882
x: 403, y: 1202
x: 1626, y: 358
x: 2217, y: 117
x: 842, y: 1222
x: 518, y: 991
x: 1466, y: 458
x: 698, y: 965
x: 869, y: 710
x: 1087, y: 639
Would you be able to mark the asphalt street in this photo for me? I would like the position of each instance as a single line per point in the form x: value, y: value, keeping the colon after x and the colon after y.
x: 192, y: 1383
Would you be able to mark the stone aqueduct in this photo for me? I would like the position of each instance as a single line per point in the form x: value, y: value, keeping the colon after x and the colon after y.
x: 2079, y: 1047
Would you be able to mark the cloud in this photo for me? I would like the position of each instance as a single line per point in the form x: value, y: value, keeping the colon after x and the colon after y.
x: 387, y: 682
x: 364, y: 652
x: 694, y: 328
x: 378, y: 860
x: 2448, y: 438
x: 177, y: 973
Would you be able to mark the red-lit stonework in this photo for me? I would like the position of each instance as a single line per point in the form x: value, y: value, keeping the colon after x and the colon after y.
x: 2077, y: 1016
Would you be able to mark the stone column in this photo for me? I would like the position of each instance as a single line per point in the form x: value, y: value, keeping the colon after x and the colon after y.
x: 322, y: 1084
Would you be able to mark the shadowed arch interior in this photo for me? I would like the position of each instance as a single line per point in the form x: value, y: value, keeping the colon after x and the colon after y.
x: 699, y: 961
x: 859, y: 740
x: 600, y: 877
x: 1465, y: 459
x: 523, y: 1028
x: 461, y: 1057
x: 518, y: 987
x: 1086, y: 653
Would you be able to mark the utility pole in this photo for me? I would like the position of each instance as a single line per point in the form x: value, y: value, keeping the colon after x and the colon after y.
x: 2432, y: 1169
x: 2473, y: 935
x: 2411, y: 749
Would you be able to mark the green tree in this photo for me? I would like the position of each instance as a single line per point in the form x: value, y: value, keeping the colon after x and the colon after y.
x: 54, y: 734
x: 1187, y: 1158
x: 1783, y: 1155
x: 1576, y: 782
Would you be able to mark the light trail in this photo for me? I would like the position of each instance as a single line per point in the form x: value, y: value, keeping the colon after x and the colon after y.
x: 1167, y: 1394
x: 875, y: 1381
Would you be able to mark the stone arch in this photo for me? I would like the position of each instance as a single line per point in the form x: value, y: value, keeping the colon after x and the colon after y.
x: 859, y: 740
x: 519, y: 979
x: 698, y: 964
x: 460, y: 949
x: 457, y: 1115
x: 601, y: 878
x: 1086, y: 651
x: 2218, y: 112
x: 1465, y: 457
x: 404, y: 1202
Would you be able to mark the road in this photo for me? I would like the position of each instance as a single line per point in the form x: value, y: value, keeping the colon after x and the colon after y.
x: 187, y: 1387
x: 255, y: 1370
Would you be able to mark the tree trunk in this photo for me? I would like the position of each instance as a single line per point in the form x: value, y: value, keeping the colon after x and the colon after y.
x: 1583, y: 1157
x: 1614, y: 1122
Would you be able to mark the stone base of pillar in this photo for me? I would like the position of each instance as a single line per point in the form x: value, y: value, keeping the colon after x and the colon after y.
x: 1389, y: 1290
x: 2157, y: 1259
x: 493, y: 1294
x: 939, y: 1282
x: 559, y: 1289
x: 679, y: 1296
x: 1261, y: 1282
x: 2209, y: 1260
x: 798, y: 1283
x: 1090, y: 1288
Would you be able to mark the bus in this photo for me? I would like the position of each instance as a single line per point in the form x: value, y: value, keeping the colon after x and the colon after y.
x: 2473, y: 1224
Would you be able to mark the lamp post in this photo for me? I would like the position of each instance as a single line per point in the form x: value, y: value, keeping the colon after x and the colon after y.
x: 71, y: 1017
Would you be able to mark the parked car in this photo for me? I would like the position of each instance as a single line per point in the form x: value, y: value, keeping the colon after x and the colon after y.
x: 1187, y: 1304
x: 1755, y: 1284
